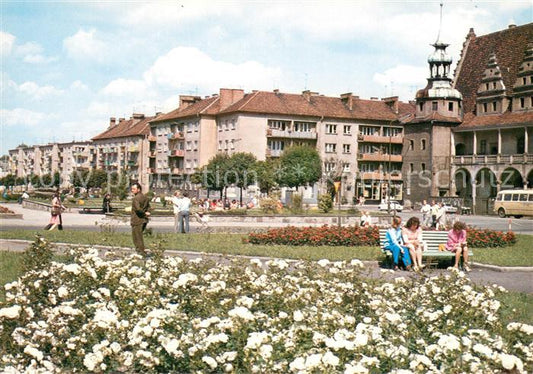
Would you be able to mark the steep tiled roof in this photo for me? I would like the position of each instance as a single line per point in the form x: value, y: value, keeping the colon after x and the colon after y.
x: 315, y: 106
x: 497, y: 120
x: 130, y: 127
x: 508, y: 45
x: 208, y: 106
x: 434, y: 116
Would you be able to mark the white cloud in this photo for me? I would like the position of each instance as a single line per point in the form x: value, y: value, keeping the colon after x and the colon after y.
x: 79, y: 86
x: 37, y: 92
x: 402, y: 80
x: 7, y: 41
x: 125, y: 87
x: 21, y: 117
x: 185, y: 68
x: 85, y: 45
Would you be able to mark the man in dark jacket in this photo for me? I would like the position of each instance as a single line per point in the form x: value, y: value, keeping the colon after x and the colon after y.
x: 139, y: 217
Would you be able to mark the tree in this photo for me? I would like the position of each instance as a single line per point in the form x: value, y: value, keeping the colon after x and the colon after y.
x: 299, y: 166
x: 266, y: 174
x: 241, y: 170
x: 8, y: 180
x: 213, y: 175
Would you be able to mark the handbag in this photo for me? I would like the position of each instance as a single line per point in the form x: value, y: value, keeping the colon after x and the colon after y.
x: 56, y: 210
x: 442, y: 247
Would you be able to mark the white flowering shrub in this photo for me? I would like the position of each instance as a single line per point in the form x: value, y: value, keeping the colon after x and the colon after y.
x: 171, y: 315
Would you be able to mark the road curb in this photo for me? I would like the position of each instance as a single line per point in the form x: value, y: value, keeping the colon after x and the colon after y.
x: 503, y: 268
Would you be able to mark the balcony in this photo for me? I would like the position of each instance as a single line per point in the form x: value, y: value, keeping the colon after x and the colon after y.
x: 176, y: 153
x: 273, y: 152
x: 376, y: 175
x: 177, y: 171
x: 176, y: 135
x: 150, y: 170
x: 132, y: 163
x: 380, y: 139
x: 152, y: 138
x: 492, y: 159
x: 274, y: 133
x: 379, y: 157
x: 151, y: 154
x: 133, y: 148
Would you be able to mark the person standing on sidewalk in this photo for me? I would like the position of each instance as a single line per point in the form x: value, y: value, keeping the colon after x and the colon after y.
x: 139, y: 217
x: 183, y: 215
x: 426, y: 214
x: 176, y: 201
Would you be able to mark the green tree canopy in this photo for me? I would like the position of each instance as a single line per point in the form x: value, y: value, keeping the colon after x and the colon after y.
x: 213, y: 175
x: 266, y: 174
x: 299, y: 166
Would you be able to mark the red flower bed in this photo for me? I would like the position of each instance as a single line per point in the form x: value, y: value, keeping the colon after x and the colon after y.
x: 489, y: 238
x: 324, y: 235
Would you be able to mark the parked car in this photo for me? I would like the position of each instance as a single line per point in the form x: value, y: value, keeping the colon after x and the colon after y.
x: 394, y: 205
x: 449, y: 208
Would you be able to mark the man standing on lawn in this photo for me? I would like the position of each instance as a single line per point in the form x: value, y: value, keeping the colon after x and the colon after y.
x: 176, y: 201
x: 183, y: 215
x: 139, y: 217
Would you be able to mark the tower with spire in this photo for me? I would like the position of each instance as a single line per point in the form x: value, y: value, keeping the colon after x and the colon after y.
x: 427, y: 141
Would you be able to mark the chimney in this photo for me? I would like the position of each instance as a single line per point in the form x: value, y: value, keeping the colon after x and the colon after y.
x: 392, y: 102
x: 188, y: 100
x: 276, y: 91
x: 347, y: 99
x: 512, y: 26
x: 138, y: 115
x: 120, y: 120
x: 112, y: 122
x: 229, y: 96
x: 373, y: 98
x: 307, y: 94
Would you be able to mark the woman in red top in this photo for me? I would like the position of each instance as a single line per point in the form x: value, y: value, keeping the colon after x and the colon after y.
x: 457, y: 244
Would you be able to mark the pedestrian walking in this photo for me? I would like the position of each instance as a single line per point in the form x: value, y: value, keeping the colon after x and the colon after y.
x: 434, y: 211
x: 176, y: 201
x: 56, y: 220
x: 426, y: 214
x: 106, y: 204
x: 139, y: 217
x: 441, y: 217
x: 183, y: 215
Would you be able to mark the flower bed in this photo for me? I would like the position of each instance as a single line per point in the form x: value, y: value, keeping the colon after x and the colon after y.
x: 324, y: 235
x: 479, y: 238
x: 171, y: 315
x: 5, y: 210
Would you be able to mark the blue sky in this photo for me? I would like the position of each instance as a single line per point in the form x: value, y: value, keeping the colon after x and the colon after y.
x: 68, y: 66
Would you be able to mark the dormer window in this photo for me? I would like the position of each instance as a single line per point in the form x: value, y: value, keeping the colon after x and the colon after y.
x: 486, y: 86
x: 421, y: 106
x: 434, y: 106
x: 524, y: 81
x: 485, y: 109
x: 494, y: 106
x: 450, y: 106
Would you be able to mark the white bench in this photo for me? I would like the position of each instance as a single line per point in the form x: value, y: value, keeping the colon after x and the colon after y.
x: 433, y: 240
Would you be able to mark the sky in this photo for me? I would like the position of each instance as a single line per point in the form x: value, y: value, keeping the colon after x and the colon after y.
x: 68, y: 66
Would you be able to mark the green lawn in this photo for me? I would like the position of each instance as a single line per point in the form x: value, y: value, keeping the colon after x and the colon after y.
x: 520, y: 254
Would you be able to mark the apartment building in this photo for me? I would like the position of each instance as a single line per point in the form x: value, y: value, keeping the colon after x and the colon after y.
x: 65, y: 158
x: 124, y: 147
x: 473, y: 136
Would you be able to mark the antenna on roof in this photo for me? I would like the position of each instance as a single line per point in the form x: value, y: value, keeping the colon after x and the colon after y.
x: 440, y: 23
x: 305, y: 84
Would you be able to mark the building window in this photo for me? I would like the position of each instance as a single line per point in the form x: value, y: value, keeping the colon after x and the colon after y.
x: 423, y: 166
x: 331, y: 129
x: 411, y: 168
x: 486, y: 86
x: 391, y: 131
x: 196, y: 145
x: 329, y: 166
x: 494, y: 106
x: 278, y: 125
x: 421, y: 106
x: 522, y: 102
x: 346, y: 148
x: 423, y: 144
x: 434, y: 106
x: 233, y: 125
x: 485, y: 109
x: 346, y: 167
x: 450, y: 107
x: 368, y: 130
x: 347, y: 130
x: 411, y: 145
x: 276, y: 145
x: 331, y: 147
x: 304, y: 126
x: 483, y: 147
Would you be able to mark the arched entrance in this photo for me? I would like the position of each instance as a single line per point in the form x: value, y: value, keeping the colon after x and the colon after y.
x: 511, y: 178
x: 486, y: 190
x: 463, y: 186
x: 530, y: 179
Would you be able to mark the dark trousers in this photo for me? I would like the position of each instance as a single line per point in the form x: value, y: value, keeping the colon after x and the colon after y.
x: 138, y: 240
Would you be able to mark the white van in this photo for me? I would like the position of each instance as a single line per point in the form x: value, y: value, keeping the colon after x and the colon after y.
x: 516, y: 203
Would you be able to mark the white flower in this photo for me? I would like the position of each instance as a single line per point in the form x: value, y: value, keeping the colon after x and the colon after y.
x: 210, y: 361
x: 313, y: 361
x: 510, y: 361
x: 266, y: 351
x: 298, y: 316
x: 105, y: 318
x: 447, y: 309
x: 171, y: 346
x: 69, y: 311
x: 184, y: 279
x: 482, y: 349
x: 449, y: 342
x: 241, y: 312
x: 329, y: 359
x: 355, y: 369
x: 91, y: 360
x: 357, y: 263
x: 245, y: 301
x: 115, y: 347
x: 34, y: 352
x: 11, y: 312
x: 72, y: 268
x: 62, y: 292
x: 255, y: 339
x: 393, y: 317
x: 298, y: 364
x: 324, y: 262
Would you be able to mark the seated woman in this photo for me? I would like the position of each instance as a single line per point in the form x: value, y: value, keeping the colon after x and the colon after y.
x: 457, y: 244
x: 366, y: 220
x: 394, y: 243
x: 412, y: 238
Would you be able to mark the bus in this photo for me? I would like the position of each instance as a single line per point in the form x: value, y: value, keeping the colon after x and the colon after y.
x: 516, y: 203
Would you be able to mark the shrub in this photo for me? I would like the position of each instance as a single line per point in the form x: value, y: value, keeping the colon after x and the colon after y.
x: 169, y: 315
x: 296, y: 205
x: 325, y: 235
x: 270, y: 205
x: 37, y: 255
x: 325, y: 203
x: 483, y: 238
